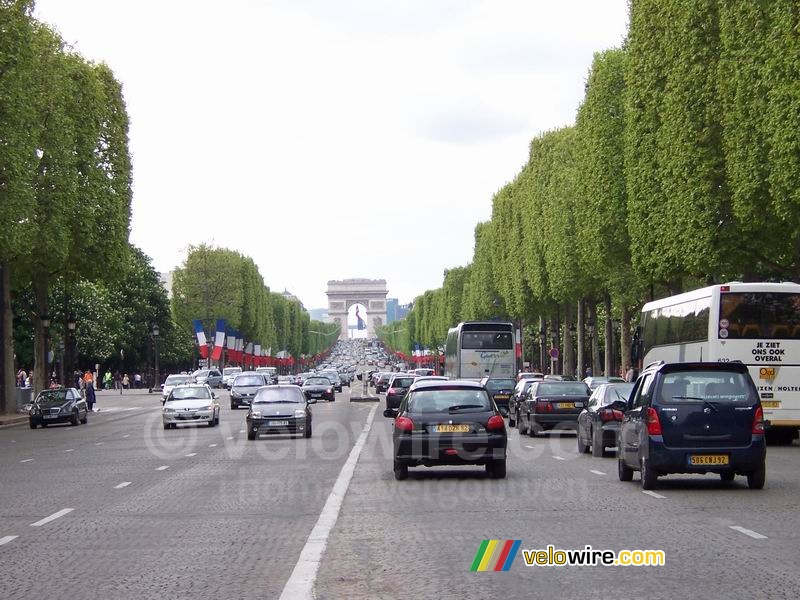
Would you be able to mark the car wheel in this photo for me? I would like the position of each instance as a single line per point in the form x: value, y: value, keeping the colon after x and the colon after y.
x: 757, y: 479
x: 511, y: 420
x: 521, y: 426
x: 216, y: 419
x: 308, y: 430
x: 534, y: 428
x: 598, y: 450
x: 582, y: 447
x: 727, y: 476
x: 400, y: 471
x: 251, y: 435
x: 211, y: 422
x: 624, y: 472
x: 167, y: 426
x: 85, y: 418
x: 649, y: 476
x: 32, y: 424
x: 74, y: 419
x: 233, y: 406
x: 497, y: 468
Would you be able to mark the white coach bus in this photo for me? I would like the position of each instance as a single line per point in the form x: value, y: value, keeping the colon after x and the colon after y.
x: 477, y: 349
x: 757, y: 324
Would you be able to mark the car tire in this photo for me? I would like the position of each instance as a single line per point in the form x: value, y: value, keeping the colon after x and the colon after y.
x: 74, y: 420
x: 308, y: 431
x: 624, y: 472
x: 85, y: 418
x: 727, y: 475
x: 757, y: 479
x: 583, y: 448
x: 598, y: 450
x: 400, y: 471
x: 522, y: 429
x: 233, y: 406
x: 512, y: 422
x: 32, y: 424
x: 167, y: 426
x: 497, y: 468
x: 211, y: 422
x: 649, y: 476
x: 251, y: 435
x: 216, y: 419
x: 534, y: 428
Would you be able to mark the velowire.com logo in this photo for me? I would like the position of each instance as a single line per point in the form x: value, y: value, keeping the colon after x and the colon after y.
x: 495, y: 555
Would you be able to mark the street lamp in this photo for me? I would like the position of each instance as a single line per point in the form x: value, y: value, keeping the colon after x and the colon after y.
x: 156, y: 332
x: 45, y: 320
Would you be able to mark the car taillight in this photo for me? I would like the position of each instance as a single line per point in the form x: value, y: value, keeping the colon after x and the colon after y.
x: 758, y: 421
x: 543, y: 407
x: 390, y: 391
x: 609, y: 414
x: 495, y: 423
x: 328, y: 391
x: 404, y: 424
x: 653, y: 423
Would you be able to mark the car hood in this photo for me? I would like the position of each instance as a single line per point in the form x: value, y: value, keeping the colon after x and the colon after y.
x: 53, y: 404
x: 278, y: 409
x: 184, y: 404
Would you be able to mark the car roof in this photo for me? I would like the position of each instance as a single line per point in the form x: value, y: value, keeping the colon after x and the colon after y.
x: 449, y: 384
x: 662, y: 367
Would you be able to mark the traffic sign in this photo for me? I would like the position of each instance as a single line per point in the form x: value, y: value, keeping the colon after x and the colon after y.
x: 554, y: 353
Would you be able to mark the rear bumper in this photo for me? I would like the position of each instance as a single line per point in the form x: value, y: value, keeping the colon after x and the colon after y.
x: 448, y: 449
x: 553, y: 420
x: 676, y: 460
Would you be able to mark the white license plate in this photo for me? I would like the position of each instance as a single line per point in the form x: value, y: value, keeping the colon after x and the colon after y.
x: 278, y: 423
x: 50, y: 416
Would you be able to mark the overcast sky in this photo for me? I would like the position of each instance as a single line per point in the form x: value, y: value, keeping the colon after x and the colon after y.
x: 330, y: 139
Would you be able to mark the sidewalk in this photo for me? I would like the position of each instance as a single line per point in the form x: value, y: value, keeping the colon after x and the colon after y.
x: 139, y: 392
x: 7, y: 420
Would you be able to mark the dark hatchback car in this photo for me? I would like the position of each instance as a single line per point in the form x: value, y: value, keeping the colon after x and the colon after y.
x: 693, y: 418
x: 244, y: 388
x: 279, y: 409
x: 500, y: 389
x: 319, y: 388
x: 517, y: 398
x: 382, y: 382
x: 398, y: 388
x: 551, y: 404
x: 598, y: 423
x: 448, y: 423
x: 62, y: 405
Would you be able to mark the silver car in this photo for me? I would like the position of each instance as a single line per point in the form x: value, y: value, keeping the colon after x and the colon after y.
x: 210, y: 377
x: 228, y: 375
x: 245, y: 386
x: 171, y: 382
x: 190, y: 404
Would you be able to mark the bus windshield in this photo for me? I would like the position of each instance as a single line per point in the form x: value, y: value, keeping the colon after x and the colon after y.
x: 762, y: 315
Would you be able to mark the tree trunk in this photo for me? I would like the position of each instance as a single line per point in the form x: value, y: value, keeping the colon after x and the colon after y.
x: 8, y: 400
x: 554, y: 327
x: 581, y: 345
x: 595, y: 338
x: 40, y: 368
x: 609, y: 330
x: 569, y: 348
x: 543, y: 359
x: 625, y: 339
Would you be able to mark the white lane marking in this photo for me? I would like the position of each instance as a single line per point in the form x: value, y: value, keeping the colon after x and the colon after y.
x: 301, y: 582
x: 229, y: 438
x: 162, y: 468
x: 191, y: 454
x: 53, y: 517
x: 70, y: 450
x: 241, y: 431
x: 8, y: 538
x: 212, y: 445
x: 596, y: 472
x: 753, y: 534
x: 531, y: 447
x: 99, y: 443
x: 127, y: 435
x: 26, y: 460
x: 119, y: 486
x: 653, y: 494
x: 559, y: 458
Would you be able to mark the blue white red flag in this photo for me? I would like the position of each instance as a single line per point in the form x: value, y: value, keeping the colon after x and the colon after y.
x: 202, y: 345
x: 361, y: 323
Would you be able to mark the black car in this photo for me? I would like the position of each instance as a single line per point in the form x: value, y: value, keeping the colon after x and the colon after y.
x: 398, y: 388
x: 598, y: 423
x: 517, y: 398
x: 244, y: 388
x: 551, y: 404
x: 448, y: 423
x: 333, y: 377
x: 693, y: 418
x: 344, y: 379
x: 61, y: 405
x: 319, y: 387
x: 281, y: 409
x: 500, y: 389
x: 382, y: 382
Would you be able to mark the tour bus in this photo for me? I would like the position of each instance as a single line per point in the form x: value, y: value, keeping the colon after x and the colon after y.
x: 477, y: 349
x: 757, y: 324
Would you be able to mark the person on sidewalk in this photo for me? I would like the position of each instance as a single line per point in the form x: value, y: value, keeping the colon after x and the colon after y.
x: 107, y: 380
x: 126, y: 382
x: 91, y: 398
x: 137, y: 379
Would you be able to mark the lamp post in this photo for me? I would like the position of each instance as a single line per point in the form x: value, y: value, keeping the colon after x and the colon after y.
x: 156, y: 332
x: 45, y: 319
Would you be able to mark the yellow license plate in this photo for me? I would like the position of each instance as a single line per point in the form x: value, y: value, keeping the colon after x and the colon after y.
x: 770, y: 404
x: 451, y: 428
x: 501, y: 397
x: 709, y: 459
x: 566, y: 405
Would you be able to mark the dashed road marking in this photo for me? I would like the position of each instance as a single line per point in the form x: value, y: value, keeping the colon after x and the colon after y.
x: 119, y: 486
x: 596, y: 472
x: 8, y: 538
x: 559, y: 458
x: 653, y: 494
x: 99, y: 443
x: 53, y: 517
x: 753, y: 534
x: 531, y: 447
x: 162, y: 468
x: 212, y: 445
x: 26, y: 460
x: 191, y: 454
x: 70, y: 450
x: 241, y: 431
x: 127, y: 435
x: 229, y: 438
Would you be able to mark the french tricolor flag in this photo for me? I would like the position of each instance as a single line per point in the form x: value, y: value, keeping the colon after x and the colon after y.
x: 219, y: 340
x: 202, y: 345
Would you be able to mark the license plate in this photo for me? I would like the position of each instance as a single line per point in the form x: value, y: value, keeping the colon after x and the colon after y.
x: 770, y: 404
x: 50, y: 416
x: 463, y: 428
x: 709, y: 459
x: 278, y: 423
x: 316, y: 395
x: 565, y: 405
x: 501, y: 397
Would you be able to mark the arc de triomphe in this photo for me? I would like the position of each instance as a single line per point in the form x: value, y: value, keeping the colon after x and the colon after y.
x: 343, y: 294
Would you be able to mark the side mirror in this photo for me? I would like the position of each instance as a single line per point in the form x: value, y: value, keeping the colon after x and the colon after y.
x: 390, y: 413
x: 162, y: 386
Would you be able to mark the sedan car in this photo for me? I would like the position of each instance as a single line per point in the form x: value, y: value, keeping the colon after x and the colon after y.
x: 171, y: 382
x: 333, y: 377
x: 398, y: 388
x: 244, y: 388
x: 61, y: 405
x: 594, y: 382
x: 551, y: 404
x: 598, y: 423
x: 500, y: 389
x: 190, y: 404
x: 382, y: 382
x: 448, y: 423
x: 210, y: 377
x: 228, y: 375
x: 319, y: 387
x: 281, y: 409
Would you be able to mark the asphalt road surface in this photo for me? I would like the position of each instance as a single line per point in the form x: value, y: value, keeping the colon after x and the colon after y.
x: 120, y: 508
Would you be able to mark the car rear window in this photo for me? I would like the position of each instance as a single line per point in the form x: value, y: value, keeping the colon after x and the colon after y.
x: 403, y: 382
x: 187, y: 393
x: 495, y: 385
x: 278, y: 394
x: 248, y: 380
x: 434, y: 401
x: 711, y: 386
x: 317, y: 381
x: 177, y: 379
x: 562, y: 389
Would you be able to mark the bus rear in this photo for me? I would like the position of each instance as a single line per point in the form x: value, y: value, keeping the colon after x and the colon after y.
x: 485, y: 349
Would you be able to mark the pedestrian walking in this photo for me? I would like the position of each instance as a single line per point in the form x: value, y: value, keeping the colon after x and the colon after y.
x: 107, y: 380
x: 137, y: 380
x: 91, y: 398
x: 126, y: 381
x: 21, y: 377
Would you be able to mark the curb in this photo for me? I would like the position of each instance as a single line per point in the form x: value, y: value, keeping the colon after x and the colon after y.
x: 13, y: 421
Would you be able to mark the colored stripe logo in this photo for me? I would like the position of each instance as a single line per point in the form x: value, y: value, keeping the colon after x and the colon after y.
x: 495, y: 555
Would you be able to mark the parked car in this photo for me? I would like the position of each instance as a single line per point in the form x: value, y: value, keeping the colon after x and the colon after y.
x: 319, y: 387
x: 245, y: 386
x: 693, y: 418
x: 550, y: 404
x: 171, y: 382
x: 448, y: 423
x: 60, y: 405
x: 210, y: 377
x: 279, y: 409
x: 598, y: 423
x: 228, y: 375
x: 398, y: 388
x: 190, y: 404
x: 500, y: 389
x: 593, y: 382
